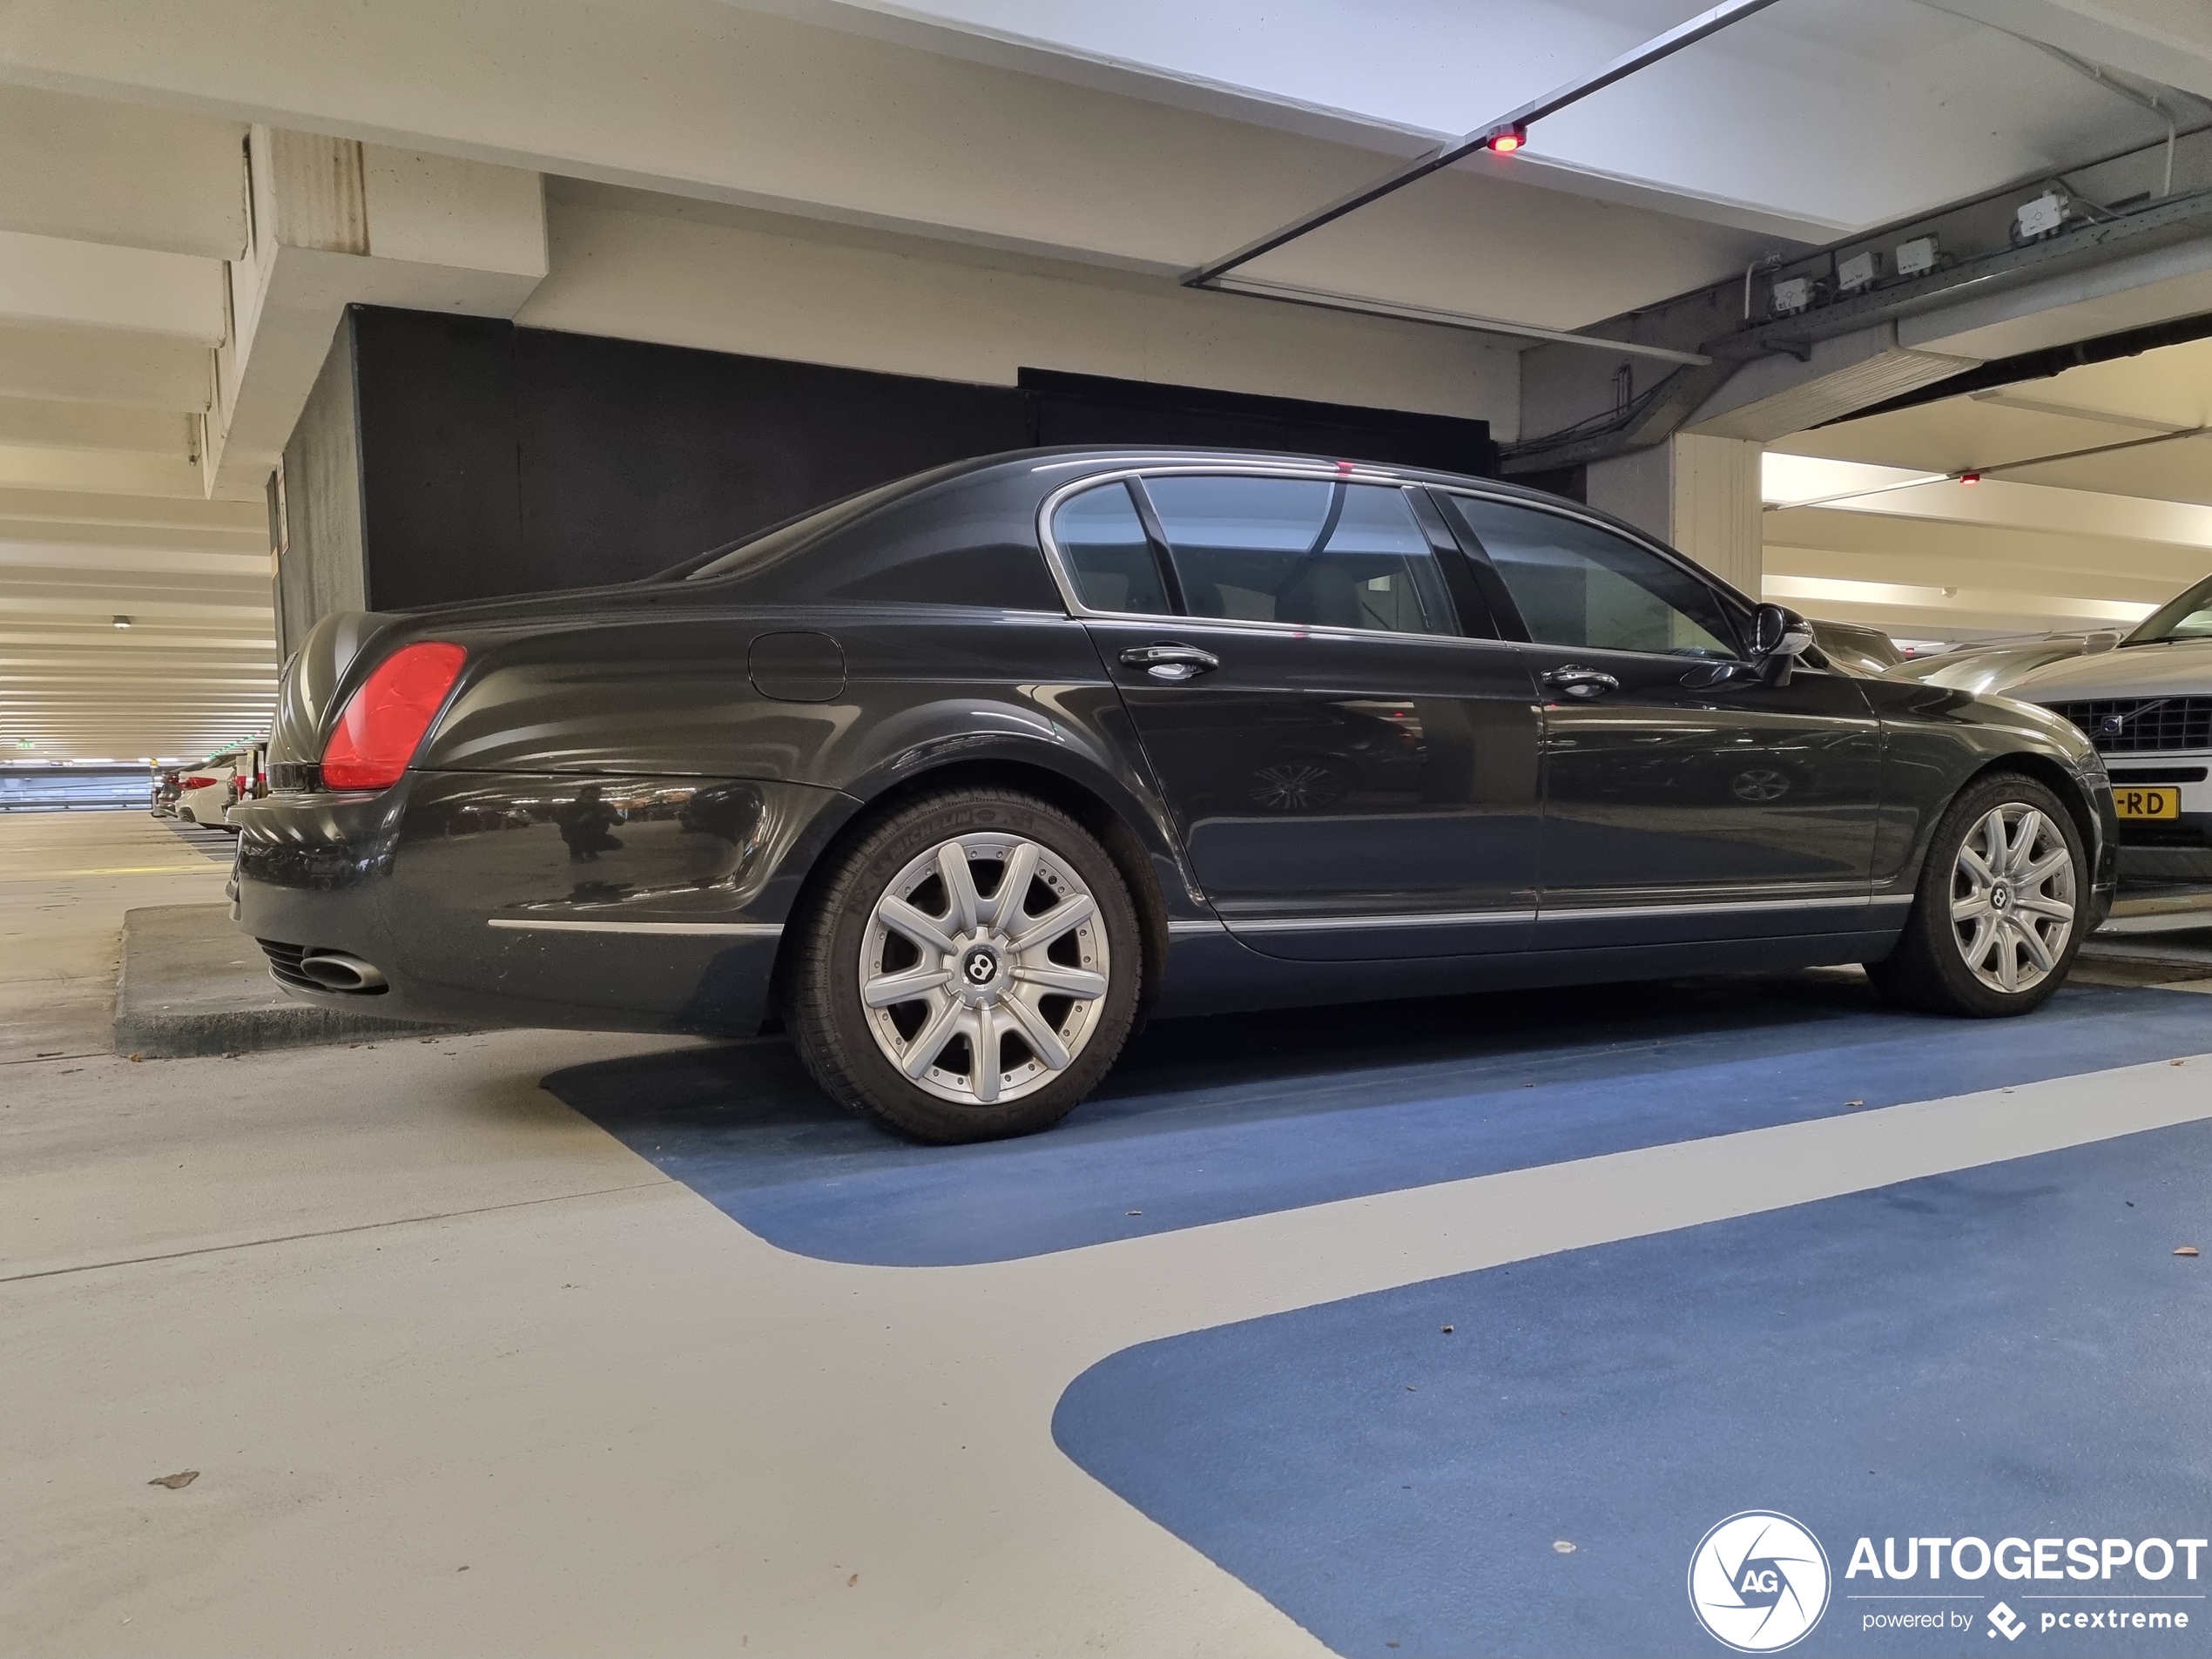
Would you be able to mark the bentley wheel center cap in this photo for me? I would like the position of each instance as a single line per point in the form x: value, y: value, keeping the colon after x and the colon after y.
x: 2001, y: 897
x: 979, y: 969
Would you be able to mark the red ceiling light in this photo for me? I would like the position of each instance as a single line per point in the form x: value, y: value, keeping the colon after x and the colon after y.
x: 1507, y: 140
x: 1969, y: 477
x: 385, y: 721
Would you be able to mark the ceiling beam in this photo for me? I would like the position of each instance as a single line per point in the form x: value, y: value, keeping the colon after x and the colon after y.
x: 48, y: 424
x: 113, y: 471
x: 147, y: 371
x: 107, y: 548
x: 95, y: 171
x: 68, y: 507
x: 90, y: 285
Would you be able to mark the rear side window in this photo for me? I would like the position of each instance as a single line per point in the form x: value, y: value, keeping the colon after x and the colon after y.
x: 1309, y: 552
x: 1102, y: 541
x: 1577, y: 585
x: 965, y: 542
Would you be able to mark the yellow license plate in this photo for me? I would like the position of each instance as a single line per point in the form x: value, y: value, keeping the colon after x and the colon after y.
x: 2134, y: 802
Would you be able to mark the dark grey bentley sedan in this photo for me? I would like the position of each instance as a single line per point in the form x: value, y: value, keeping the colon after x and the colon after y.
x: 962, y: 777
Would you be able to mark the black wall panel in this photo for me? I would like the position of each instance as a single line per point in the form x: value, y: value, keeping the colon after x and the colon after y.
x: 634, y: 455
x: 497, y: 460
x: 1086, y: 408
x: 316, y: 518
x: 440, y: 495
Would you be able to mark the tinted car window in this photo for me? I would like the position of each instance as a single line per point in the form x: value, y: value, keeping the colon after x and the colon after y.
x: 766, y: 547
x: 969, y: 542
x: 1577, y: 585
x: 1314, y: 553
x: 2187, y: 617
x: 1102, y: 541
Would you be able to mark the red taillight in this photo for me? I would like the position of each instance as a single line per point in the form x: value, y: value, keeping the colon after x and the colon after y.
x: 196, y: 783
x: 384, y: 721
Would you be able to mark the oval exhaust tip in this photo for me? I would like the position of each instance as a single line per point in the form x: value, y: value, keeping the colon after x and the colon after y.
x: 336, y: 970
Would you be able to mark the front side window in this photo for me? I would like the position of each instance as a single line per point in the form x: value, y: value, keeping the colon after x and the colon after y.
x: 1311, y: 552
x: 1577, y: 585
x: 1102, y: 543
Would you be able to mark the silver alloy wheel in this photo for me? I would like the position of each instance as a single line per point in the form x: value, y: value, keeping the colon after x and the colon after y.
x: 954, y: 970
x: 2011, y: 898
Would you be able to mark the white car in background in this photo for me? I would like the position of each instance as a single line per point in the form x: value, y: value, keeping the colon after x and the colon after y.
x: 1982, y: 669
x: 207, y: 792
x: 2146, y: 706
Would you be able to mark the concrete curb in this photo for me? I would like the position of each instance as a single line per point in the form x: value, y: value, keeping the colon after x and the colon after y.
x: 191, y: 984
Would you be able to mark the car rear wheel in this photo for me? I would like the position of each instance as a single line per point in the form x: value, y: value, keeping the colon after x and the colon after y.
x: 971, y: 971
x: 1998, y: 917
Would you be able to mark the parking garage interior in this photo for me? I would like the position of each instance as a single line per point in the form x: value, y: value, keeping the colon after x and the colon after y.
x: 1721, y: 1305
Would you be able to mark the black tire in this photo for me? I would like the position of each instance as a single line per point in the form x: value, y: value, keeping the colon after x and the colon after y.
x: 836, y: 1036
x: 1929, y: 969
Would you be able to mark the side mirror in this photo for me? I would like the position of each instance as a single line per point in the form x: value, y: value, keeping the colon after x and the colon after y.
x: 1778, y: 638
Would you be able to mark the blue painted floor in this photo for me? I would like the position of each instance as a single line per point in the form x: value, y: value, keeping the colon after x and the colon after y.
x: 2010, y: 1350
x: 1208, y: 1119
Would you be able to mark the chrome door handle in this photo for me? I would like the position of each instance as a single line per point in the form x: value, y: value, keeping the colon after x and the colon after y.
x: 1171, y: 662
x: 1582, y: 684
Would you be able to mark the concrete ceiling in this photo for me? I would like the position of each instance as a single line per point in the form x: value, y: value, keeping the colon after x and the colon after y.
x: 1807, y: 121
x: 1133, y: 138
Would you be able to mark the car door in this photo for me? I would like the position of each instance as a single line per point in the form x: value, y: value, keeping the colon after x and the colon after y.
x: 1354, y: 774
x: 1686, y: 796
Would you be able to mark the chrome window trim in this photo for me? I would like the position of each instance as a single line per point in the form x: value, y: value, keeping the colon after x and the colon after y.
x: 1597, y: 912
x: 1701, y: 907
x: 1346, y: 924
x: 727, y: 929
x: 1352, y: 474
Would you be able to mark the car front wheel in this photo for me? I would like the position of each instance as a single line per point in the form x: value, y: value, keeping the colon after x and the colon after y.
x: 1998, y: 917
x: 971, y: 970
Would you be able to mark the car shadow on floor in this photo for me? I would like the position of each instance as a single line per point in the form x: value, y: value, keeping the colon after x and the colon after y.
x: 1210, y: 1119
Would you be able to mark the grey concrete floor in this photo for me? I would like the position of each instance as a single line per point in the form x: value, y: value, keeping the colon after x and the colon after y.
x: 459, y: 1374
x: 65, y: 881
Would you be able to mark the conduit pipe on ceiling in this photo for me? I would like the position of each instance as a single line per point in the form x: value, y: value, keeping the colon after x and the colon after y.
x: 2140, y: 100
x: 1710, y: 21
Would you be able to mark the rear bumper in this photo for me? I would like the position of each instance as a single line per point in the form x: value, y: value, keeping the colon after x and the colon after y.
x: 652, y: 904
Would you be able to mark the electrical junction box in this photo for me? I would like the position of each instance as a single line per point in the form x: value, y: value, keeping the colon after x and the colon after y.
x: 1916, y: 257
x: 1858, y: 272
x: 1792, y: 295
x: 2042, y: 216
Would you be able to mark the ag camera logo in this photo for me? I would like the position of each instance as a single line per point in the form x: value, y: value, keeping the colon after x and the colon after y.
x: 1758, y: 1581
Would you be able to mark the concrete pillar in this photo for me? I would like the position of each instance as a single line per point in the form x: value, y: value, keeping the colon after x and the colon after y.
x: 336, y: 222
x: 1697, y: 494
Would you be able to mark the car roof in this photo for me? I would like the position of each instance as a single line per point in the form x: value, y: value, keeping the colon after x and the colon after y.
x: 1073, y: 460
